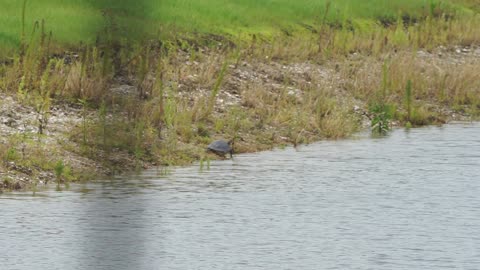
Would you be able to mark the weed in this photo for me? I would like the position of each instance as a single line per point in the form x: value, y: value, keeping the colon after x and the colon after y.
x: 215, y: 90
x: 84, y: 104
x: 381, y: 116
x: 202, y: 164
x: 139, y: 134
x: 11, y: 155
x: 59, y: 170
x: 102, y: 115
x: 408, y: 100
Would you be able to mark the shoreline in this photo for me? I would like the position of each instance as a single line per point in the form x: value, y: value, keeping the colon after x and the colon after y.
x: 268, y: 103
x: 366, y: 131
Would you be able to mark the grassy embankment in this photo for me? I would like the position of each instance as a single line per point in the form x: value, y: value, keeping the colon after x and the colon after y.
x: 172, y: 117
x: 74, y: 21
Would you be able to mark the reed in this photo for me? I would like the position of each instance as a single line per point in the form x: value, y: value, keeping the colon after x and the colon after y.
x: 408, y: 100
x: 215, y: 90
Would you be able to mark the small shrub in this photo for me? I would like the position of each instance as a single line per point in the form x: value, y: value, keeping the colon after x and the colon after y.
x: 381, y: 117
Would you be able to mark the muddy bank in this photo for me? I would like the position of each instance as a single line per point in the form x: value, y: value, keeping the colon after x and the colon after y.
x: 271, y: 102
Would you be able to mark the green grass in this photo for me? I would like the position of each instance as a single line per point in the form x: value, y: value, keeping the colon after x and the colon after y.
x: 74, y: 21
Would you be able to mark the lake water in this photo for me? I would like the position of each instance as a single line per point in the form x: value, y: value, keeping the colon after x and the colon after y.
x: 407, y: 201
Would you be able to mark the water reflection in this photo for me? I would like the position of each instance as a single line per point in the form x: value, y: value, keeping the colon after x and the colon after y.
x: 407, y: 201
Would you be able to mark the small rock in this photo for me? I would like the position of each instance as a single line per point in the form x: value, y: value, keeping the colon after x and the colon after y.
x: 11, y: 123
x: 421, y: 53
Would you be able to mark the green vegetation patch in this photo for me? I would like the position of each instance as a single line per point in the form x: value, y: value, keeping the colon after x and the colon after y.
x: 74, y: 21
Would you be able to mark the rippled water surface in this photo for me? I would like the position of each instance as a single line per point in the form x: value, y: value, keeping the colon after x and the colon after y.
x: 408, y: 201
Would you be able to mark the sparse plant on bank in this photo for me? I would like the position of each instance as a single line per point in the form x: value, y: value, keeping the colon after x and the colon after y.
x: 216, y: 88
x: 102, y: 115
x: 408, y: 101
x: 59, y: 170
x: 84, y: 104
x: 381, y: 117
x: 11, y: 154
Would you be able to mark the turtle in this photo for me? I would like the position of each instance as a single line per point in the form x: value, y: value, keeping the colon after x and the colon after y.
x: 221, y: 147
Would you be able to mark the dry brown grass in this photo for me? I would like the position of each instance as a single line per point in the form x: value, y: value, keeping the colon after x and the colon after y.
x: 450, y: 80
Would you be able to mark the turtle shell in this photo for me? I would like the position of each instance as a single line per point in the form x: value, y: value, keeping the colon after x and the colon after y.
x: 220, y: 146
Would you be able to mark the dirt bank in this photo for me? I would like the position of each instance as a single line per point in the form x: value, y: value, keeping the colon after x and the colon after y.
x: 270, y: 100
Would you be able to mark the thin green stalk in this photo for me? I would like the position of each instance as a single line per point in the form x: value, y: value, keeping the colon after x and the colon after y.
x: 408, y: 99
x: 216, y: 89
